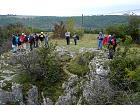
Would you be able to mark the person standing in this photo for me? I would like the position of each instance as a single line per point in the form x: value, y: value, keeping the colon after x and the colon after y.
x: 36, y: 38
x: 100, y: 39
x: 75, y: 37
x: 14, y: 44
x: 114, y: 42
x: 31, y: 41
x: 17, y: 42
x: 22, y: 39
x: 67, y: 36
x: 41, y: 38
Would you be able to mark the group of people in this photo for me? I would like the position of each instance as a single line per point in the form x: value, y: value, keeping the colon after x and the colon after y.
x: 75, y: 37
x: 109, y: 41
x: 28, y: 41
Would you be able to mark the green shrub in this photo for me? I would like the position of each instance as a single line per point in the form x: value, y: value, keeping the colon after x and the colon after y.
x: 42, y: 69
x: 79, y: 31
x: 128, y: 40
x: 123, y: 68
x: 136, y: 77
x: 8, y: 86
x: 119, y: 30
x: 24, y: 79
x: 12, y: 103
x: 124, y: 76
x: 79, y: 65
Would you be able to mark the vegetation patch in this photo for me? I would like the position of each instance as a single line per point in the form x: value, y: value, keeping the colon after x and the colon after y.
x: 124, y: 75
x: 8, y: 85
x: 12, y: 103
x: 79, y: 65
x: 43, y: 69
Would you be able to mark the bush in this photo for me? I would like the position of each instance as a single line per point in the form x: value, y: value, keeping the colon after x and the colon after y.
x: 124, y: 76
x: 79, y: 31
x: 12, y: 103
x: 42, y: 68
x: 124, y: 62
x: 59, y: 30
x: 79, y: 65
x: 128, y: 40
x: 119, y: 30
x: 8, y: 85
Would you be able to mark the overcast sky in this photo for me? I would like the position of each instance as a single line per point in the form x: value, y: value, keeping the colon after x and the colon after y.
x: 67, y: 7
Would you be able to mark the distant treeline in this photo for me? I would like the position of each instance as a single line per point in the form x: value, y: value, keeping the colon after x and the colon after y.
x: 47, y: 22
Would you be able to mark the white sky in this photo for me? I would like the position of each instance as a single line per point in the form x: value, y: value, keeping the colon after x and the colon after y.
x: 67, y: 7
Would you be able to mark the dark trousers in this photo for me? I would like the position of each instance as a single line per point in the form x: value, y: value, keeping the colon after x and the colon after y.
x: 111, y: 53
x: 114, y: 47
x: 31, y: 46
x: 75, y: 41
x: 36, y: 43
x: 68, y: 40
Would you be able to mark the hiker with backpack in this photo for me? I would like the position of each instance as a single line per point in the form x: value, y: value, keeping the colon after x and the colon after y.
x: 112, y: 46
x: 75, y: 37
x: 36, y: 38
x: 21, y: 41
x: 114, y: 42
x: 31, y: 41
x: 25, y: 42
x: 41, y: 38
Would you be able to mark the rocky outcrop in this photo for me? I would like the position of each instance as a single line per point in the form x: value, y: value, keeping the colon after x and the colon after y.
x: 14, y: 96
x: 5, y: 97
x: 17, y: 92
x: 32, y: 98
x: 93, y: 87
x: 47, y: 101
x: 70, y: 92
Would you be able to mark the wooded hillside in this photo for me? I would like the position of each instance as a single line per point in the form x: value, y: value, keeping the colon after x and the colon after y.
x: 47, y: 22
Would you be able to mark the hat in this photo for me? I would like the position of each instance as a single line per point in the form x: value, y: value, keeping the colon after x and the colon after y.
x: 41, y: 32
x: 100, y: 32
x: 109, y: 35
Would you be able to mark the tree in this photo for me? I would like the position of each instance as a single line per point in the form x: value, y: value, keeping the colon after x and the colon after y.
x: 59, y: 30
x: 120, y: 30
x: 70, y: 25
x: 133, y: 27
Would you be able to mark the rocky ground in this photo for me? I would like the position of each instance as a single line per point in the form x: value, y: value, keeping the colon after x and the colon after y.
x: 86, y: 90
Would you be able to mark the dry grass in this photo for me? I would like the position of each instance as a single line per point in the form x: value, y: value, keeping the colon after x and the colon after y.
x: 88, y: 41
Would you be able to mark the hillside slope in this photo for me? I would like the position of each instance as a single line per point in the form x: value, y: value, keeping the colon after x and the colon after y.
x: 47, y: 22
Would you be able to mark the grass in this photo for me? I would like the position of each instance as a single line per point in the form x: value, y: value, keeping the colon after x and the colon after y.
x: 87, y: 41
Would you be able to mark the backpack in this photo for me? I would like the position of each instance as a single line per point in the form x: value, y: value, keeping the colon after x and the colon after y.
x: 21, y: 38
x: 26, y: 39
x: 31, y: 38
x: 17, y: 39
x: 113, y: 41
x: 101, y: 37
x: 77, y: 37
